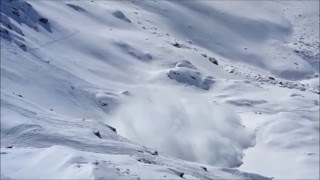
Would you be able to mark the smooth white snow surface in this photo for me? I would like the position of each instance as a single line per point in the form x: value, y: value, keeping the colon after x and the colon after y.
x: 195, y: 89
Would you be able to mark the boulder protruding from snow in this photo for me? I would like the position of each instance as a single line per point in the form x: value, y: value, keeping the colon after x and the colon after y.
x: 204, y: 168
x: 213, y: 60
x: 112, y: 128
x: 97, y: 133
x: 155, y: 153
x: 180, y: 174
x: 177, y: 45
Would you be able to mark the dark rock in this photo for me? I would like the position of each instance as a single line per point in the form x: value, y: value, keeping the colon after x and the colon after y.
x: 213, y: 60
x: 75, y: 7
x: 180, y: 174
x: 43, y: 20
x: 97, y: 133
x: 9, y: 147
x: 147, y: 161
x: 95, y: 162
x: 9, y: 26
x: 20, y: 95
x: 16, y: 13
x: 155, y: 153
x: 103, y: 103
x: 23, y: 47
x: 271, y: 78
x: 112, y: 128
x: 176, y: 45
x: 204, y: 168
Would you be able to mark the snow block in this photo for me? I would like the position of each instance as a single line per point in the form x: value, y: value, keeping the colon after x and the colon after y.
x: 186, y: 73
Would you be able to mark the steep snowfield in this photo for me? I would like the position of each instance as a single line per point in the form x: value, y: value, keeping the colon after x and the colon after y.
x: 195, y: 89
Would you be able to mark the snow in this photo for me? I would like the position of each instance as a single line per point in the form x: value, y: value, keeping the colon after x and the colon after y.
x: 159, y: 89
x: 59, y: 162
x: 187, y: 127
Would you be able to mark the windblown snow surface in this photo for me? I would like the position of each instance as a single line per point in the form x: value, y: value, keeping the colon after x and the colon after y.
x: 194, y: 89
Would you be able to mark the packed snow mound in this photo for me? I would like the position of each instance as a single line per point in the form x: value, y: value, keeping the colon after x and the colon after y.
x: 187, y: 73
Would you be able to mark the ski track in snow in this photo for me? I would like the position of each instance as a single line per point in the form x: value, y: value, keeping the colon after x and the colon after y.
x: 159, y: 89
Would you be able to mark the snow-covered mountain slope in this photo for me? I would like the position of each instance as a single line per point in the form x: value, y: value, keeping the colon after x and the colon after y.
x: 195, y: 89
